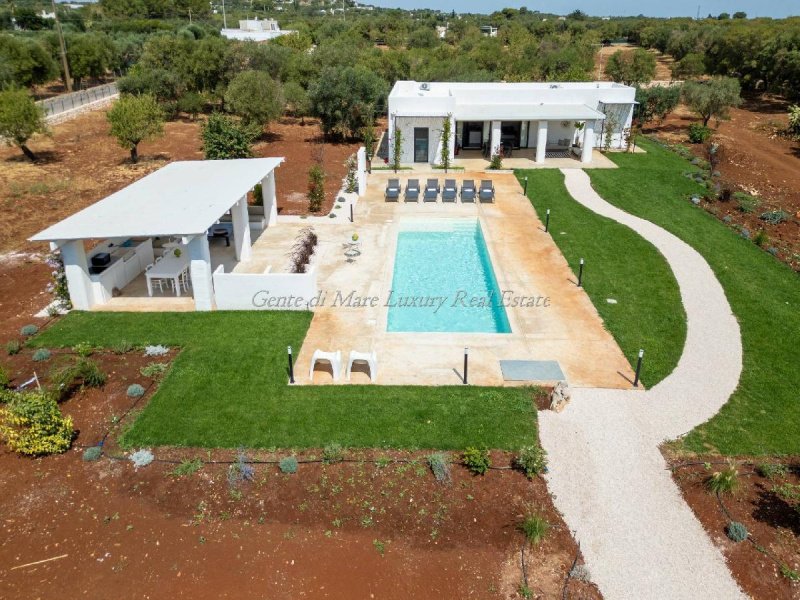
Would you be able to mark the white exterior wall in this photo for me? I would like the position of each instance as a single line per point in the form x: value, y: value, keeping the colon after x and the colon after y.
x: 268, y: 291
x: 556, y: 130
x: 414, y: 107
x: 406, y: 125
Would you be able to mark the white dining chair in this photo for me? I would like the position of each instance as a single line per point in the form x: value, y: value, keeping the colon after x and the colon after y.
x: 155, y: 281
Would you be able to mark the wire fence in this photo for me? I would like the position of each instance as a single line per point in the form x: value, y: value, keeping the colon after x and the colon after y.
x: 66, y: 102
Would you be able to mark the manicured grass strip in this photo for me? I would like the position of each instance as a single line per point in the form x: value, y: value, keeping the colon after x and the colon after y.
x: 228, y: 388
x: 763, y: 415
x: 620, y: 265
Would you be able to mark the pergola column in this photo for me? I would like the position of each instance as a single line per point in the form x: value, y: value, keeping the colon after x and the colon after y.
x: 200, y: 267
x: 541, y: 141
x: 270, y: 198
x: 497, y: 136
x: 76, y: 268
x: 241, y: 229
x: 588, y: 142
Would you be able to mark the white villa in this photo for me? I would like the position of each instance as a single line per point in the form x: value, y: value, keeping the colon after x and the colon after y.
x: 256, y: 30
x: 540, y: 119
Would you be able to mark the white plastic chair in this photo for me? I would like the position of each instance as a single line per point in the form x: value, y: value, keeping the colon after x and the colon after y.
x: 335, y: 358
x: 371, y: 358
x: 155, y: 281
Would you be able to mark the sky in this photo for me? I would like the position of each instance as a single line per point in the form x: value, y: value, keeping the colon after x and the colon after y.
x: 657, y: 8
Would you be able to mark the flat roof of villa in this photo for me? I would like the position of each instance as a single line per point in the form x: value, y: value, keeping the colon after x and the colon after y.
x: 463, y: 89
x: 183, y: 198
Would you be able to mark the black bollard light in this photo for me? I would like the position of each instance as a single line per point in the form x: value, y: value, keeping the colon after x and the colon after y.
x: 580, y: 274
x: 526, y: 185
x: 638, y: 368
x: 351, y: 212
x: 291, y: 366
x: 547, y: 221
x: 466, y: 363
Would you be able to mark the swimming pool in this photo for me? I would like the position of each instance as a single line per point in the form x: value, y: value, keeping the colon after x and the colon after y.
x: 444, y: 281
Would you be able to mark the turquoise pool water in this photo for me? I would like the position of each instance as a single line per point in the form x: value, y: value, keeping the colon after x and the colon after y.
x: 443, y: 280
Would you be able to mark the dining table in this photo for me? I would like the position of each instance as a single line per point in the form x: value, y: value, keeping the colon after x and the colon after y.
x: 170, y: 267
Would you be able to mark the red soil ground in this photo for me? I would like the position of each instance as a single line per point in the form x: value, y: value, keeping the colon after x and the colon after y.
x: 757, y: 160
x: 773, y: 525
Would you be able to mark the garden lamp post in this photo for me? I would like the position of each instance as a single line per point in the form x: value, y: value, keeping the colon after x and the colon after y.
x: 580, y: 274
x: 638, y: 368
x: 291, y: 366
x: 466, y: 363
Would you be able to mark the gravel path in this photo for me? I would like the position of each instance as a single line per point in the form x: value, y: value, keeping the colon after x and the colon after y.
x: 639, y: 538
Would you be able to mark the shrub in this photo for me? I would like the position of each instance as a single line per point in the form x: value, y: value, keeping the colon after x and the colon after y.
x: 32, y: 424
x: 531, y: 460
x: 13, y: 347
x: 141, y: 458
x: 224, y: 138
x: 154, y: 370
x: 788, y: 492
x: 772, y: 470
x: 78, y: 374
x: 84, y: 349
x: 135, y: 391
x: 745, y: 202
x: 29, y: 330
x: 5, y: 378
x: 534, y: 527
x: 476, y: 460
x: 58, y: 284
x: 790, y: 573
x: 699, y: 134
x: 240, y: 471
x: 122, y: 347
x: 725, y: 481
x: 187, y: 467
x: 761, y: 238
x: 774, y: 217
x: 157, y: 350
x: 41, y: 354
x: 496, y: 162
x: 736, y: 532
x: 332, y: 453
x: 581, y: 573
x: 288, y: 465
x: 440, y: 466
x: 316, y: 188
x: 92, y: 454
x: 725, y: 194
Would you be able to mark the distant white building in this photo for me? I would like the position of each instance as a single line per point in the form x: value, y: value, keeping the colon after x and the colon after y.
x: 256, y: 30
x: 441, y: 31
x: 566, y: 117
x: 489, y: 30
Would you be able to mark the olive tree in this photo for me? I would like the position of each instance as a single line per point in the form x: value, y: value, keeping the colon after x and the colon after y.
x: 255, y: 97
x: 712, y: 98
x: 344, y: 97
x: 224, y: 138
x: 135, y: 119
x: 631, y: 68
x: 20, y: 119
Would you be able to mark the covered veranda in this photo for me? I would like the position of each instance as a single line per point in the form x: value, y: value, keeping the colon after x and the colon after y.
x: 155, y: 243
x: 534, y: 132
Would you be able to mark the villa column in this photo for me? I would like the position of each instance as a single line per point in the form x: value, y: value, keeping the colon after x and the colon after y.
x: 76, y: 268
x: 541, y: 141
x: 588, y: 142
x: 200, y: 268
x: 497, y: 134
x: 270, y: 199
x: 241, y: 229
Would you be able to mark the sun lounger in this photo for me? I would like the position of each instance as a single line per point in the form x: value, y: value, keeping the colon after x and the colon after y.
x: 468, y: 192
x: 412, y: 190
x: 432, y: 190
x: 487, y: 191
x: 392, y: 193
x: 450, y: 191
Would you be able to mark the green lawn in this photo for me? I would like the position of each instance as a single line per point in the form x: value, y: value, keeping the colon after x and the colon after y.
x: 620, y: 265
x: 228, y: 388
x: 763, y: 415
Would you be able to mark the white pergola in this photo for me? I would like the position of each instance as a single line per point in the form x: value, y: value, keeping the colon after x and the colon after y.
x: 183, y: 199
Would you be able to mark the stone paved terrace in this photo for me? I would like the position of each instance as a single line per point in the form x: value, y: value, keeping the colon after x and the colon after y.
x: 525, y: 260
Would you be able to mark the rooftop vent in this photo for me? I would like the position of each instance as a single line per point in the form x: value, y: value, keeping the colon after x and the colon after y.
x: 425, y: 86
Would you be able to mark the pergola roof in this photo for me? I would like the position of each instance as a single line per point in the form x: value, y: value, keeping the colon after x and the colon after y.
x: 183, y: 198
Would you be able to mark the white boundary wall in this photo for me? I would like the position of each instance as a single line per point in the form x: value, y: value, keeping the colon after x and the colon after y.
x: 265, y: 291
